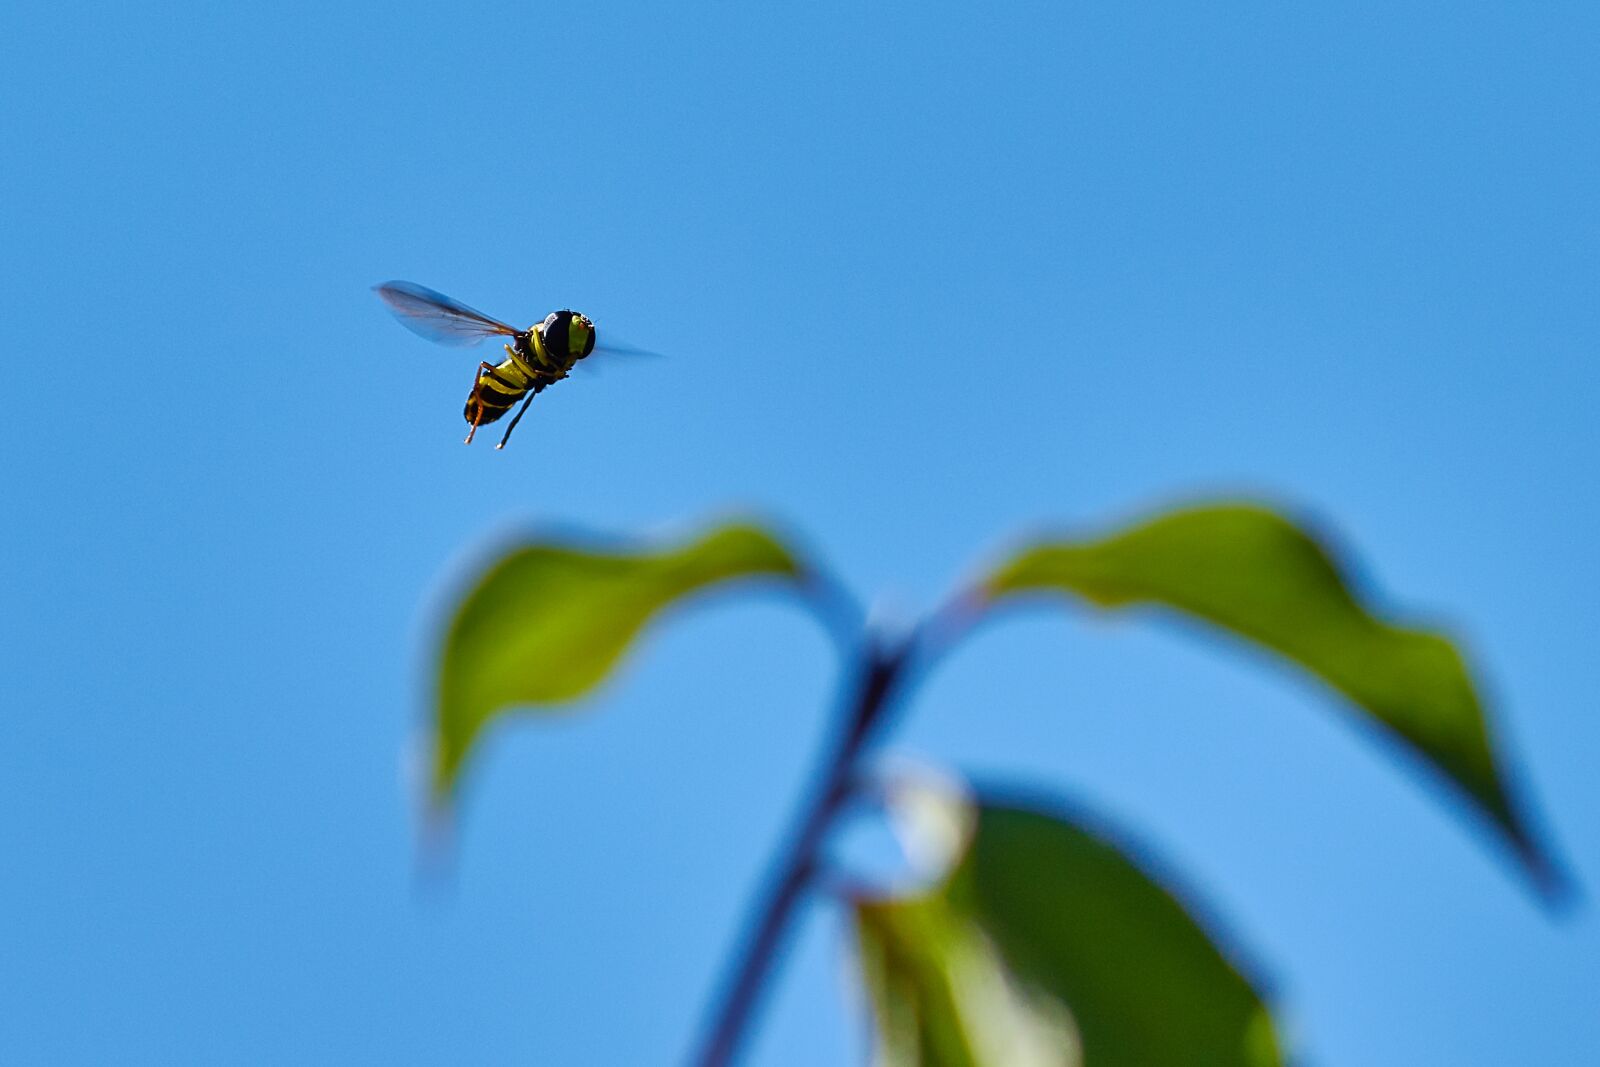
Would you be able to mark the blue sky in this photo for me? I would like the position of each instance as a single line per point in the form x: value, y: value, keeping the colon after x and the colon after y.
x: 929, y: 278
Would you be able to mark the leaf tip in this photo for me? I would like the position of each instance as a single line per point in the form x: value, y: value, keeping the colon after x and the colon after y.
x: 1558, y: 891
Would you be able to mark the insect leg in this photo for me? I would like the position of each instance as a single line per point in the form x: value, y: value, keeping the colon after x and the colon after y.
x: 539, y: 386
x: 476, y: 400
x: 518, y: 418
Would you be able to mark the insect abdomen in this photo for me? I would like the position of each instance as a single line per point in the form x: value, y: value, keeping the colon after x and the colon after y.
x: 495, y: 391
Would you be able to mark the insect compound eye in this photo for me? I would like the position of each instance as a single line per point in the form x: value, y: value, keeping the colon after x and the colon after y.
x: 582, y: 336
x: 558, y: 335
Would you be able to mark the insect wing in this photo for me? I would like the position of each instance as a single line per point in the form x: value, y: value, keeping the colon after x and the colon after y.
x: 619, y: 348
x: 437, y: 317
x: 607, y: 349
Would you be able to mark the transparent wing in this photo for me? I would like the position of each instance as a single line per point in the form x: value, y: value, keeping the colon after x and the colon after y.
x: 438, y: 317
x: 614, y: 347
x: 589, y: 366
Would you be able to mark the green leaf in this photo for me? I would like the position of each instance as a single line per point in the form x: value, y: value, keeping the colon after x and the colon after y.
x: 1048, y: 947
x: 547, y: 622
x: 1253, y: 573
x: 944, y: 997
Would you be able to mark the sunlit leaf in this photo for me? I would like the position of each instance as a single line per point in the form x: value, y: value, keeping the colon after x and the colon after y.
x: 944, y: 997
x: 1048, y: 947
x: 1259, y: 577
x: 547, y: 622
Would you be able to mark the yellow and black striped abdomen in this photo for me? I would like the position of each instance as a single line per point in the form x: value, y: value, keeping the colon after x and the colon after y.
x: 495, y: 391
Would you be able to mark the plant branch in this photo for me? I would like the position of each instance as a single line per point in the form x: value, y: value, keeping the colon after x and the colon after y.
x: 883, y: 664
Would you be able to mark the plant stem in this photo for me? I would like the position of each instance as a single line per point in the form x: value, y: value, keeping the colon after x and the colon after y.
x: 883, y: 663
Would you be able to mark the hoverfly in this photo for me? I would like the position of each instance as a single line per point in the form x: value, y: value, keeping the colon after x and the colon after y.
x: 536, y: 358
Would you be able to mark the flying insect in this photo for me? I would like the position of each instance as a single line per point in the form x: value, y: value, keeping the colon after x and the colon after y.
x: 536, y: 358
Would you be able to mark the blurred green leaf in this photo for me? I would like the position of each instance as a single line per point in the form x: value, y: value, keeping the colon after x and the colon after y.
x: 944, y: 998
x: 1047, y: 947
x: 1256, y: 575
x: 547, y: 622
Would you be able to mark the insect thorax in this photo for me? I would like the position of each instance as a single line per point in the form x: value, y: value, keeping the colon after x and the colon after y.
x: 521, y: 367
x: 537, y: 358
